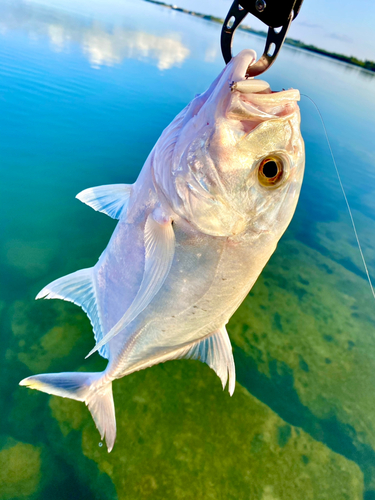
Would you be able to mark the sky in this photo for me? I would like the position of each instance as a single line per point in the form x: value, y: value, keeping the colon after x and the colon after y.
x: 341, y: 26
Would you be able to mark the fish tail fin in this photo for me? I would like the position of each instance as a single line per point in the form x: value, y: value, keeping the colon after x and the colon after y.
x: 82, y: 386
x: 102, y: 411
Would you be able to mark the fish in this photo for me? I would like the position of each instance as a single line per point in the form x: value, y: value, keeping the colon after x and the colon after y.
x: 194, y: 232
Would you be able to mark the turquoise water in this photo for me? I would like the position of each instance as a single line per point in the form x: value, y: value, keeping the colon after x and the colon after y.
x: 85, y: 91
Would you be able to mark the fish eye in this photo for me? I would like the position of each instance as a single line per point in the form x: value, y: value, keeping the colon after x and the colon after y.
x: 270, y: 171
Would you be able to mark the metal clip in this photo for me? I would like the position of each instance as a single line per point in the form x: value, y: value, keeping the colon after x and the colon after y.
x: 276, y: 14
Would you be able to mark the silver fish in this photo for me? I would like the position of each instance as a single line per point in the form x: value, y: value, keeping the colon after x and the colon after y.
x: 195, y: 231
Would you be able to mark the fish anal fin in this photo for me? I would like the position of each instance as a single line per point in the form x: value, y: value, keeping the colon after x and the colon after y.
x: 78, y: 288
x: 216, y: 351
x: 111, y: 199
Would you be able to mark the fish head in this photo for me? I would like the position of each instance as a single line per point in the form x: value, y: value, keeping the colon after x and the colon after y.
x: 233, y: 160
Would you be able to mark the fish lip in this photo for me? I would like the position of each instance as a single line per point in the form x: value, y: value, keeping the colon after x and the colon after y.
x: 259, y: 90
x: 238, y: 82
x: 239, y: 64
x: 275, y: 104
x: 255, y: 98
x: 256, y: 108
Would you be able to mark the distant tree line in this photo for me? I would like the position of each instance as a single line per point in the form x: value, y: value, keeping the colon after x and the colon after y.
x: 370, y: 65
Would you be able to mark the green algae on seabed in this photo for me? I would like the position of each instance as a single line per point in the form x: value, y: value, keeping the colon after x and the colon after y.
x: 346, y: 253
x: 179, y: 436
x: 62, y: 330
x: 305, y: 346
x: 146, y: 418
x: 20, y: 474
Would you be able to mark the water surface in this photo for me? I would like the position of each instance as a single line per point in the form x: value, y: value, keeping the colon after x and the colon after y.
x: 85, y: 91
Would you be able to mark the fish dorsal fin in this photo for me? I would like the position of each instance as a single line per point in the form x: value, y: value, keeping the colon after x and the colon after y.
x: 78, y: 288
x: 216, y: 351
x: 159, y: 251
x: 110, y: 199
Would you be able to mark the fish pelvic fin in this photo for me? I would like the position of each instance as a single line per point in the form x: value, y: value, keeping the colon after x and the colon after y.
x: 82, y: 386
x: 111, y: 199
x: 78, y: 288
x: 216, y: 351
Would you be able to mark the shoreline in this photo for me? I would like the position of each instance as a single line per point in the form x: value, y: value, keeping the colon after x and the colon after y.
x: 353, y: 61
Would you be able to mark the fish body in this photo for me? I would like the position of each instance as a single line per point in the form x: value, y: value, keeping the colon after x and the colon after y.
x: 195, y: 231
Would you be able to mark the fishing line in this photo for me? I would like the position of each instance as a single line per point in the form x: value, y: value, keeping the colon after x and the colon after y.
x: 344, y: 194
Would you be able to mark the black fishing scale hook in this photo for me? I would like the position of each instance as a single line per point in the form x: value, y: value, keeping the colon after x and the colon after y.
x: 276, y: 14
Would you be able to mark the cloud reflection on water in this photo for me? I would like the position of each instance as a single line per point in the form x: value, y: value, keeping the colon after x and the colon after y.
x: 103, y: 45
x: 103, y: 48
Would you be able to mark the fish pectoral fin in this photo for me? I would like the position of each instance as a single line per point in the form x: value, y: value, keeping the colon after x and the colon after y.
x: 159, y: 252
x: 111, y: 199
x: 78, y: 288
x: 216, y: 351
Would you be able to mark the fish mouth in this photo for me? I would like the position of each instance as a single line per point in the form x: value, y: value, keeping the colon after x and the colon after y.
x: 253, y: 99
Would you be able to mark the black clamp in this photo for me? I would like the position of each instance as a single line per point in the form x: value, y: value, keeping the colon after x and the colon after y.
x: 276, y: 14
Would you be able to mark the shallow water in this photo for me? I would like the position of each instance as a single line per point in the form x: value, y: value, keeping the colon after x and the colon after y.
x: 85, y: 91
